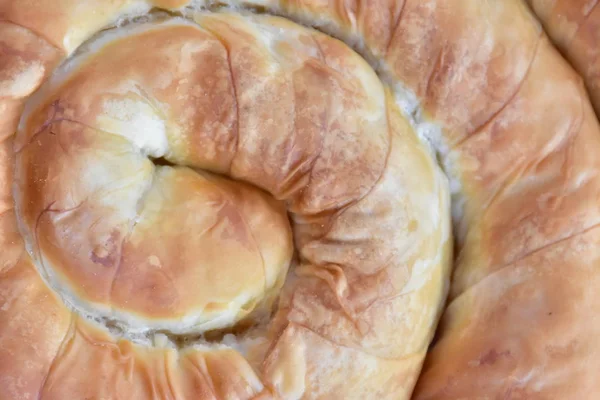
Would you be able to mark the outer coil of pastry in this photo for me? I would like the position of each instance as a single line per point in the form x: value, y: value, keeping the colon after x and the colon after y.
x: 506, y: 116
x: 574, y: 27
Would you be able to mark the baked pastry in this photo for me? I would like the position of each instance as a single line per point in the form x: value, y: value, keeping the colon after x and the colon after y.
x: 149, y: 275
x: 574, y: 27
x: 158, y: 278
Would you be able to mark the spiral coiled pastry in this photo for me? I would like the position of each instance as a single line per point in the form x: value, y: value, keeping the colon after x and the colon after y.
x: 161, y: 146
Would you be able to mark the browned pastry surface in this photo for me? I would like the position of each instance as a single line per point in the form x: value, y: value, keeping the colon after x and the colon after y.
x: 574, y: 26
x: 124, y: 226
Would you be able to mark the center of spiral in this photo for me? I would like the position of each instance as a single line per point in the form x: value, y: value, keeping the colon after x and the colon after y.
x: 121, y: 222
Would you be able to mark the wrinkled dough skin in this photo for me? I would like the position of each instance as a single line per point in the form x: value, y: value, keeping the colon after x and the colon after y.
x: 298, y: 115
x: 574, y: 26
x: 519, y: 141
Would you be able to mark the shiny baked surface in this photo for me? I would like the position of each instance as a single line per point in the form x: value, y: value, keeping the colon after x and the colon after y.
x: 346, y: 149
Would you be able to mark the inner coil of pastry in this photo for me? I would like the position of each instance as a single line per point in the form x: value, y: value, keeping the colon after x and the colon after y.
x: 86, y: 116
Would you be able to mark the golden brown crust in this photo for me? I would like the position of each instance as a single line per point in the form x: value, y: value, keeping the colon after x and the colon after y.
x: 67, y: 23
x: 557, y: 156
x: 34, y: 323
x: 116, y: 369
x: 512, y: 336
x: 518, y: 138
x: 231, y: 237
x: 574, y: 25
x: 26, y: 60
x: 374, y: 260
x: 519, y: 274
x: 528, y: 180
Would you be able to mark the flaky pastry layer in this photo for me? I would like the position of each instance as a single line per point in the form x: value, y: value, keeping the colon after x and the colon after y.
x: 266, y: 101
x: 516, y: 134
